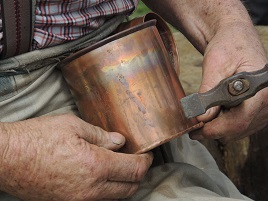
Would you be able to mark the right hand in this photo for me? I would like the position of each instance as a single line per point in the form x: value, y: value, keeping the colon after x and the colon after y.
x: 63, y: 158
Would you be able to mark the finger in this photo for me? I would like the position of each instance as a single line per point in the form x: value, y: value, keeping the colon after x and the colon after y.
x: 118, y: 190
x: 238, y: 122
x: 211, y: 78
x: 209, y: 115
x: 209, y: 131
x: 227, y: 124
x: 98, y: 136
x: 129, y: 167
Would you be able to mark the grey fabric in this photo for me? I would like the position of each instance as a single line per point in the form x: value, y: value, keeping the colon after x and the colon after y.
x: 194, y: 176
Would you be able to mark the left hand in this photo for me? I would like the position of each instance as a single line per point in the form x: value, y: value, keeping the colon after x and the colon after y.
x: 65, y: 158
x: 234, y: 48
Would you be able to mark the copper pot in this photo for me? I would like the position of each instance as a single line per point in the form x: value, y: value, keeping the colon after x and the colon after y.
x: 127, y: 83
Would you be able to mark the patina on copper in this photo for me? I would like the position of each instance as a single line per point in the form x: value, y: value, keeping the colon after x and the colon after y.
x: 127, y: 83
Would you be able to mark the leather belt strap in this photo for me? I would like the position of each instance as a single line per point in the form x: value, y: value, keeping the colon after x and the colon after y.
x: 17, y: 26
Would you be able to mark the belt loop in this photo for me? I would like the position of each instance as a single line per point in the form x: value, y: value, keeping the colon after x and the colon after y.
x: 17, y: 17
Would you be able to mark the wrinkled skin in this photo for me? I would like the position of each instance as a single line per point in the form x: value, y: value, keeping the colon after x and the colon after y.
x: 223, y: 32
x: 223, y: 60
x: 64, y: 158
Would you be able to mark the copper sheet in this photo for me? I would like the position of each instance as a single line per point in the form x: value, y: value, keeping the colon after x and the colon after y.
x: 127, y: 83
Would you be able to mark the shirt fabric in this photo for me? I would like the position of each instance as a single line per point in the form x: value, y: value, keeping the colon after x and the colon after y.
x: 59, y: 21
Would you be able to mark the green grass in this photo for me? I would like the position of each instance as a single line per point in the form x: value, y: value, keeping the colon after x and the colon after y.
x: 140, y: 11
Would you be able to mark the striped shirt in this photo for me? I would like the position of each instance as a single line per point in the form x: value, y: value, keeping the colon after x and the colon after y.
x: 59, y: 21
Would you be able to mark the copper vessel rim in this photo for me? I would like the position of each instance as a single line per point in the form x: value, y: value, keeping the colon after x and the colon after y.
x: 107, y: 40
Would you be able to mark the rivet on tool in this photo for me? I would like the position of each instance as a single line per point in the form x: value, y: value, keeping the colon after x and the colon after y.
x: 238, y: 85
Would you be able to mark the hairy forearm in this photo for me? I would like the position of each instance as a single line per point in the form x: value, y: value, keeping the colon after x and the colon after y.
x: 199, y: 20
x: 10, y: 152
x: 5, y: 148
x: 20, y: 152
x: 4, y: 145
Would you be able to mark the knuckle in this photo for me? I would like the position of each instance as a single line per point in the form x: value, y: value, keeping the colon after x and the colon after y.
x: 98, y: 136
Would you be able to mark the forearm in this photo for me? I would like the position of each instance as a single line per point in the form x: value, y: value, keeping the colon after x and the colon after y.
x: 4, y: 147
x: 199, y: 20
x: 5, y: 155
x: 12, y: 153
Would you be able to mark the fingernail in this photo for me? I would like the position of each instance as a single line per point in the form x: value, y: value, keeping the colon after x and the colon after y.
x: 209, y: 111
x: 117, y: 138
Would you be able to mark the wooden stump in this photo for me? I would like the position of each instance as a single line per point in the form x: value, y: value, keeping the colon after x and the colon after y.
x: 244, y: 161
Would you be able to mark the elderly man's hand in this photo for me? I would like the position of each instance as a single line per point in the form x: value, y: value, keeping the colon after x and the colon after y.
x: 235, y: 48
x: 65, y: 158
x: 224, y: 33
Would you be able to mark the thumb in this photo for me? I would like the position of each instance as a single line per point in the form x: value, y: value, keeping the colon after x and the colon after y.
x: 97, y: 136
x: 210, y: 80
x: 210, y: 114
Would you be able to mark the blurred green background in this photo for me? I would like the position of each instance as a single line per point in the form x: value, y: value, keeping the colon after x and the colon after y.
x: 141, y: 10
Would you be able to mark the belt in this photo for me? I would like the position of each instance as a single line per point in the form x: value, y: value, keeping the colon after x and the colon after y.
x: 30, y: 61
